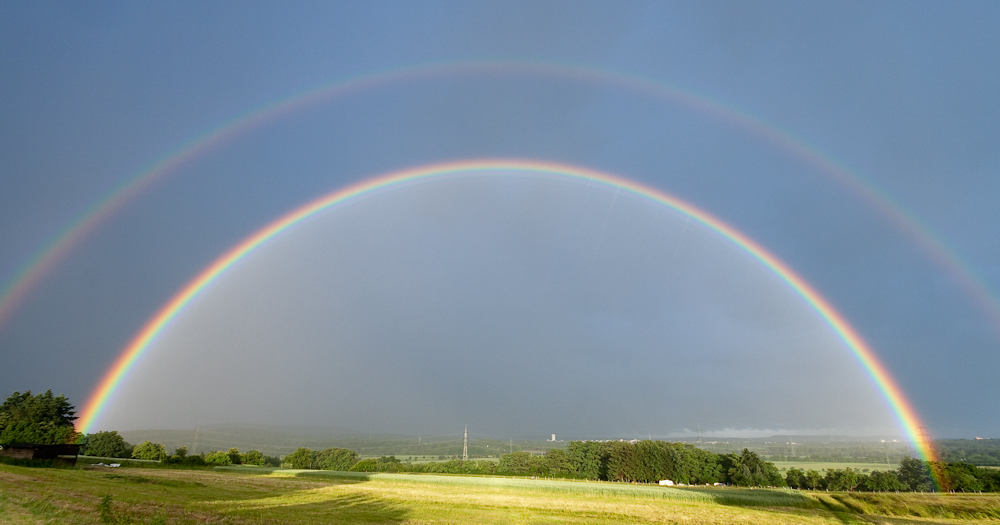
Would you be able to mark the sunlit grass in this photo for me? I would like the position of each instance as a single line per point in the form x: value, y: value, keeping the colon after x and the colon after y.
x: 257, y: 496
x: 728, y: 496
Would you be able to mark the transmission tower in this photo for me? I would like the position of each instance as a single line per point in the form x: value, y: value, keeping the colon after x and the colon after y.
x: 465, y: 445
x: 923, y: 438
x: 194, y: 448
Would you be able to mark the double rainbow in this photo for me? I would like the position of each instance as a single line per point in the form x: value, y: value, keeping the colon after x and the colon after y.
x: 904, y: 412
x: 58, y: 247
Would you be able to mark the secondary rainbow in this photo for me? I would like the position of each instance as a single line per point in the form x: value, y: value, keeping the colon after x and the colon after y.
x: 57, y: 248
x: 905, y: 414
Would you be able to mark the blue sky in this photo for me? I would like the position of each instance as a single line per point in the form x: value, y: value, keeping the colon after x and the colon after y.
x: 903, y: 95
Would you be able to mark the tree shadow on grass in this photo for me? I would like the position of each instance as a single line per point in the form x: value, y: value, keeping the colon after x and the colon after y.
x: 745, y: 497
x: 324, y: 504
x: 336, y: 474
x: 774, y: 500
x: 335, y: 508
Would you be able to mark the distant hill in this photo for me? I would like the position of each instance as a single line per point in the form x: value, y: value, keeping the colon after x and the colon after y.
x: 810, y: 448
x: 279, y: 441
x: 982, y: 452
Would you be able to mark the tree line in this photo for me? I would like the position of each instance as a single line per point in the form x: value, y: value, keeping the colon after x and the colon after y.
x: 649, y: 461
x: 913, y: 475
x: 624, y: 461
x: 48, y: 419
x: 109, y: 444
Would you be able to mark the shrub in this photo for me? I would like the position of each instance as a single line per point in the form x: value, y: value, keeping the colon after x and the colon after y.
x: 106, y: 444
x: 252, y: 457
x: 148, y: 450
x: 336, y: 459
x: 301, y: 459
x: 366, y: 465
x: 219, y: 458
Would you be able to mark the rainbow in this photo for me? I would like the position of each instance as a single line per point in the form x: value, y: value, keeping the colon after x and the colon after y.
x: 904, y: 412
x: 60, y: 245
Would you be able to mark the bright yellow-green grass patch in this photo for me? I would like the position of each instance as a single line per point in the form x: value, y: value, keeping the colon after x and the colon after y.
x: 257, y: 496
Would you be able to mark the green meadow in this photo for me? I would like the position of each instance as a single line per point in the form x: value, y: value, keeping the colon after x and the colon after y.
x: 246, y: 495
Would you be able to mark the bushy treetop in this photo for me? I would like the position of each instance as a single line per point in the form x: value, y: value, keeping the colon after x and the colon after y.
x: 108, y: 444
x: 149, y: 450
x: 44, y: 419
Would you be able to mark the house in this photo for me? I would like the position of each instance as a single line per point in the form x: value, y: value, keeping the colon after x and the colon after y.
x: 61, y: 453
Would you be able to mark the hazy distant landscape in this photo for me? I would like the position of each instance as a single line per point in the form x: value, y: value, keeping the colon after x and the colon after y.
x: 284, y: 440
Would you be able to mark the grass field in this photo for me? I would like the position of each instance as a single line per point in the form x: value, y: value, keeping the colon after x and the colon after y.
x: 256, y: 496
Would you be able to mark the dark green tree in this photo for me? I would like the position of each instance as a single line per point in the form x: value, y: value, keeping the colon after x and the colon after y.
x: 517, y: 463
x: 589, y: 459
x: 707, y: 466
x: 915, y: 474
x: 963, y: 477
x: 621, y: 461
x: 650, y: 463
x: 990, y: 478
x: 687, y: 464
x: 336, y: 459
x: 390, y: 464
x: 44, y: 419
x: 148, y: 450
x: 301, y: 458
x: 558, y: 462
x: 748, y: 470
x: 219, y: 458
x: 846, y: 479
x: 107, y: 444
x: 252, y: 457
x: 234, y: 456
x: 486, y: 467
x: 812, y: 480
x: 365, y: 465
x: 881, y: 481
x: 795, y: 478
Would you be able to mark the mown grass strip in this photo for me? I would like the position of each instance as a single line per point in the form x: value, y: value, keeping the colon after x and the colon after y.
x: 723, y: 496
